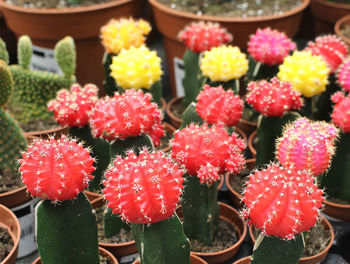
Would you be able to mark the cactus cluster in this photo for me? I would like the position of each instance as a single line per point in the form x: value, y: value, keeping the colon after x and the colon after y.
x: 343, y: 75
x: 269, y: 46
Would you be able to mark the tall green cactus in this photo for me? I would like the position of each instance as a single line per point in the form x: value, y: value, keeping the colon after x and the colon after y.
x: 191, y: 82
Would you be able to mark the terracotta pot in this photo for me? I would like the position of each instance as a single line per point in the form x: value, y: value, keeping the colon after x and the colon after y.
x: 117, y: 249
x: 247, y: 126
x: 236, y: 197
x: 338, y: 211
x: 10, y: 222
x: 245, y: 260
x: 47, y: 26
x: 340, y: 25
x: 9, y: 38
x: 251, y: 143
x: 193, y: 260
x: 232, y: 216
x: 170, y: 22
x: 318, y: 257
x: 102, y: 252
x: 326, y: 14
x: 57, y: 132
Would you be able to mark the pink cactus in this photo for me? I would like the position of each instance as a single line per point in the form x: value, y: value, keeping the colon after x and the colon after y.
x: 56, y: 169
x: 331, y: 48
x: 214, y: 105
x: 202, y: 36
x: 143, y: 189
x: 274, y: 98
x: 71, y: 108
x: 282, y: 202
x: 307, y: 145
x: 341, y: 113
x: 206, y: 152
x: 269, y: 46
x: 343, y: 75
x: 128, y: 115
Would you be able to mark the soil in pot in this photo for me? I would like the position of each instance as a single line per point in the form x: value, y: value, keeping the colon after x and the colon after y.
x: 6, y: 243
x: 9, y: 181
x: 178, y: 109
x: 55, y: 3
x: 346, y: 31
x: 238, y: 181
x: 238, y: 8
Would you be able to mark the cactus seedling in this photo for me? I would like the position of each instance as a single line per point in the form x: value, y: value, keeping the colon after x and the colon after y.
x: 145, y: 190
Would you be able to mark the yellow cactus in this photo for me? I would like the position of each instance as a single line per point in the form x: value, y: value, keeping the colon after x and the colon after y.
x: 224, y: 63
x: 307, y: 73
x: 123, y: 34
x: 136, y: 68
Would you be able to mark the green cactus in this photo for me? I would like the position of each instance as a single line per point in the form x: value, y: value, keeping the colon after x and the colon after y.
x: 66, y: 56
x: 6, y: 83
x: 109, y: 83
x: 191, y: 81
x: 3, y: 52
x: 25, y: 52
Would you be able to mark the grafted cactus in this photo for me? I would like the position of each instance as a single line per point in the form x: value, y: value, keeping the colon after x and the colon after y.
x: 343, y: 75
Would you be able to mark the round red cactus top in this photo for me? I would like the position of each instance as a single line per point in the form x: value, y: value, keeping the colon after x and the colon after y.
x: 307, y: 145
x: 343, y: 75
x: 269, y: 46
x: 56, y: 169
x: 214, y: 105
x: 274, y: 98
x: 282, y: 202
x: 143, y: 189
x: 206, y: 152
x: 331, y: 48
x: 128, y: 115
x: 70, y: 108
x: 202, y: 36
x: 341, y: 113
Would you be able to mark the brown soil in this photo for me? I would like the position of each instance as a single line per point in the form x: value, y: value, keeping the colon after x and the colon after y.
x: 55, y: 3
x: 6, y: 243
x: 178, y: 109
x: 346, y: 31
x: 238, y: 181
x: 38, y: 125
x: 105, y: 260
x: 226, y: 237
x: 236, y: 8
x: 9, y: 181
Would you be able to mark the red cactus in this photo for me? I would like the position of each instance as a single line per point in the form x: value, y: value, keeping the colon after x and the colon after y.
x: 269, y: 46
x: 341, y: 113
x: 143, y: 189
x: 206, y: 152
x: 273, y: 98
x: 307, y: 145
x: 56, y: 169
x: 71, y: 108
x: 331, y: 48
x: 214, y: 105
x: 343, y: 75
x: 282, y: 202
x: 128, y: 115
x: 202, y: 36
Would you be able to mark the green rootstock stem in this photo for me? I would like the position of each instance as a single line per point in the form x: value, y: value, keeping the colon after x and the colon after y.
x: 157, y: 93
x: 162, y: 242
x: 190, y: 116
x: 67, y: 232
x: 109, y: 84
x: 200, y: 210
x: 191, y: 81
x: 113, y: 224
x: 277, y: 251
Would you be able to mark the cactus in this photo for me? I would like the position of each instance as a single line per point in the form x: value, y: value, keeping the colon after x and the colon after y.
x: 33, y: 89
x: 58, y: 170
x: 274, y: 100
x: 3, y: 52
x: 283, y: 203
x: 205, y: 153
x: 343, y: 75
x: 144, y: 190
x: 12, y: 139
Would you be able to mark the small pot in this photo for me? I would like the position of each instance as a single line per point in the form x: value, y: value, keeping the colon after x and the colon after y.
x: 101, y: 250
x: 9, y: 221
x: 318, y: 257
x: 236, y: 197
x: 339, y: 25
x: 247, y: 126
x: 170, y: 130
x: 193, y: 260
x: 174, y: 120
x: 56, y: 132
x: 245, y: 260
x: 338, y: 211
x: 251, y: 143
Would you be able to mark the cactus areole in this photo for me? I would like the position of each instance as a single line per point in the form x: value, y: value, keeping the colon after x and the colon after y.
x: 281, y: 201
x: 56, y: 169
x: 143, y: 189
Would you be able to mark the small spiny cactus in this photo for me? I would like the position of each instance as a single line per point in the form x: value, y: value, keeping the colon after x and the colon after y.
x: 341, y: 114
x: 343, y: 75
x: 6, y: 82
x: 3, y: 52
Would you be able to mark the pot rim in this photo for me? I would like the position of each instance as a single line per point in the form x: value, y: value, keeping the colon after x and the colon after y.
x: 337, y: 26
x: 44, y: 133
x: 331, y: 4
x: 250, y: 143
x: 342, y: 206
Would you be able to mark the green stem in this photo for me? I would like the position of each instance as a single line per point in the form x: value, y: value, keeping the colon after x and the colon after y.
x: 256, y: 69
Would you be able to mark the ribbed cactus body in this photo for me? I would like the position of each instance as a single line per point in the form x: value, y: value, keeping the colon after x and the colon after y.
x: 343, y: 75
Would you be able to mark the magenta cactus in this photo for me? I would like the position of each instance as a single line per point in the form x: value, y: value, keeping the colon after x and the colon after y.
x: 214, y: 105
x: 281, y: 201
x: 71, y: 108
x: 202, y: 36
x: 331, y: 48
x: 56, y: 169
x: 206, y: 152
x: 341, y: 114
x: 143, y: 189
x: 343, y: 75
x: 269, y: 46
x: 128, y: 115
x: 307, y: 145
x: 273, y: 98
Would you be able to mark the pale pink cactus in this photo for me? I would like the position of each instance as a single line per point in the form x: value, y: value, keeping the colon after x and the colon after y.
x: 343, y: 75
x: 269, y: 46
x: 274, y: 98
x: 307, y: 145
x: 214, y: 105
x: 143, y: 189
x: 341, y: 113
x: 207, y: 152
x: 331, y: 48
x: 281, y: 201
